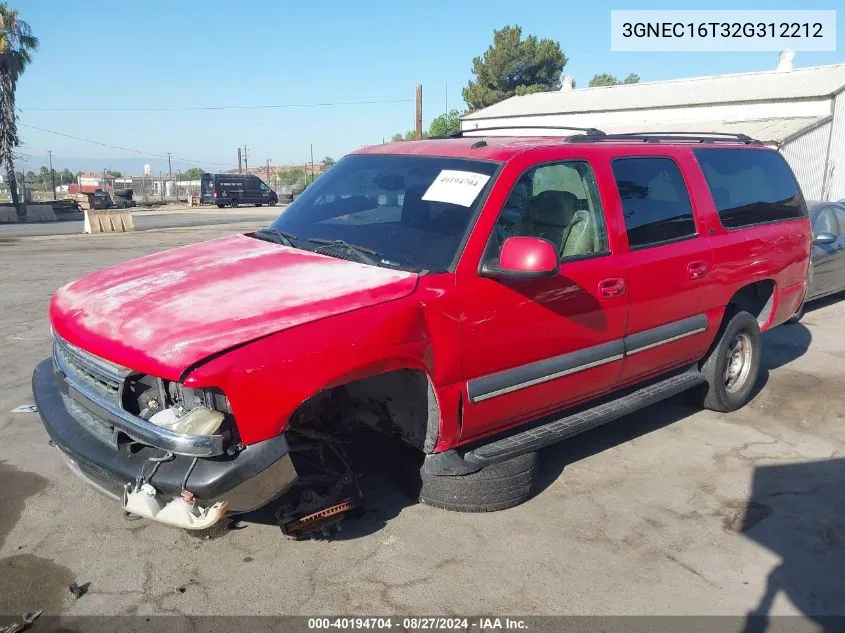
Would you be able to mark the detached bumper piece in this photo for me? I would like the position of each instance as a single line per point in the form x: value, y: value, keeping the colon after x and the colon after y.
x: 182, y: 490
x: 183, y: 511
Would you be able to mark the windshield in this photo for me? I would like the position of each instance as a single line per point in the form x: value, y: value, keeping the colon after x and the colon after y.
x: 411, y: 211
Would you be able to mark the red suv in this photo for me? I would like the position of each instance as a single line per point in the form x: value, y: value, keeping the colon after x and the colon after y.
x: 477, y: 297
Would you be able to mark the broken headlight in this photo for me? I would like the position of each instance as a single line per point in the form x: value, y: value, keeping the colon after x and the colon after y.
x: 171, y: 406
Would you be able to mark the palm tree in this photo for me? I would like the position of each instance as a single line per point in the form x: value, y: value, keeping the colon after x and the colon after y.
x: 17, y: 43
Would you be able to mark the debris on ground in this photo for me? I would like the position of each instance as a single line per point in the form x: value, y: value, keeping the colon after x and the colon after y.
x: 79, y: 590
x: 25, y: 408
x: 26, y: 620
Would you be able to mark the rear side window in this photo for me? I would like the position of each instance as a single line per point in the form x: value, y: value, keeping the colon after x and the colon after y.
x: 655, y: 200
x: 750, y: 186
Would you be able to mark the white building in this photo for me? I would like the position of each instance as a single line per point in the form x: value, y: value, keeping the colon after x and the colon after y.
x: 800, y: 111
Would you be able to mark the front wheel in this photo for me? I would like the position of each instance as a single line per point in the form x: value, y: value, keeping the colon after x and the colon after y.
x: 496, y: 487
x: 234, y: 203
x: 732, y: 366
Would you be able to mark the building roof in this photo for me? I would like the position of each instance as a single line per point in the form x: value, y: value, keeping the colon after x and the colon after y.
x: 803, y: 83
x: 769, y: 130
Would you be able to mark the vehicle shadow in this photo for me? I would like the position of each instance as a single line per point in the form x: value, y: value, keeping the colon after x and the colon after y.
x: 796, y: 511
x: 784, y: 344
x: 389, y: 471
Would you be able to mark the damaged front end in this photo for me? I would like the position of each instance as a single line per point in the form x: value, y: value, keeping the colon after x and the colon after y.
x: 167, y: 453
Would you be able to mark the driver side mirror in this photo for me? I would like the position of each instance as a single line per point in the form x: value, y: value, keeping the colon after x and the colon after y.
x: 523, y: 257
x: 825, y: 238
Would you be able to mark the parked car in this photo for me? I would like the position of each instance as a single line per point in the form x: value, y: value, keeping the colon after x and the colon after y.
x: 827, y: 273
x: 477, y: 298
x: 235, y: 189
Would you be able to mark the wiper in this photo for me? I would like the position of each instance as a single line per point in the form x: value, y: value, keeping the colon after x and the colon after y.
x: 281, y: 237
x: 366, y: 254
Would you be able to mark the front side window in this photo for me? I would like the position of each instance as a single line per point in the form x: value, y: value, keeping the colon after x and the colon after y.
x: 413, y: 212
x: 558, y: 202
x: 655, y: 201
x: 750, y: 186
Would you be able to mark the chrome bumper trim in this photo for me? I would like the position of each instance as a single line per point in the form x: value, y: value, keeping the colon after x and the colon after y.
x: 136, y: 428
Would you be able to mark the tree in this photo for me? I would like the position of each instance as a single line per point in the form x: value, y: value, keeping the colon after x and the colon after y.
x: 17, y: 44
x: 606, y: 79
x: 446, y: 123
x: 327, y: 162
x: 194, y: 173
x: 113, y: 173
x: 514, y: 66
x: 66, y: 177
x: 410, y: 135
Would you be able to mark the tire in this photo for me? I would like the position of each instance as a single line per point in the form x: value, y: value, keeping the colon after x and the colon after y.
x: 234, y: 203
x: 732, y: 365
x: 272, y: 203
x: 496, y: 487
x: 257, y: 204
x: 221, y: 206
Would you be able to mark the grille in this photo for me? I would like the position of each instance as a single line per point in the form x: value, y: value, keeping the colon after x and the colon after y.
x: 103, y: 377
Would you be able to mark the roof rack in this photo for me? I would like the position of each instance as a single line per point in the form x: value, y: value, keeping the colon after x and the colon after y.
x: 590, y: 131
x: 657, y: 137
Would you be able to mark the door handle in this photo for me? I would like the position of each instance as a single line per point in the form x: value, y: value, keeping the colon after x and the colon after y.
x: 697, y: 270
x: 611, y: 288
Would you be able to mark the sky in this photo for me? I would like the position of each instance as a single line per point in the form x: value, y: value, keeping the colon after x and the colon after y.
x: 192, y: 53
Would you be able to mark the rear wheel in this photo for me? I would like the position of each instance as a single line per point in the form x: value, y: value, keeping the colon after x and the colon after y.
x: 496, y: 487
x: 221, y: 206
x: 272, y: 203
x: 732, y: 366
x: 234, y: 203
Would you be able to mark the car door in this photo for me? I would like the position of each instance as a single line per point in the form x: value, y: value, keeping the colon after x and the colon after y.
x: 828, y: 262
x: 534, y: 346
x: 839, y: 209
x: 669, y: 265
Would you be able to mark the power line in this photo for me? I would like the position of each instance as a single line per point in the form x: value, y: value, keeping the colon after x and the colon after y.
x: 123, y: 149
x: 326, y: 104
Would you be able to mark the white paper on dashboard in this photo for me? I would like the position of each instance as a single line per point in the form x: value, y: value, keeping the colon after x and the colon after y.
x: 456, y: 187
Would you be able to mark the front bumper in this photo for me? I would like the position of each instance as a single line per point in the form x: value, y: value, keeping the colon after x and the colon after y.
x: 255, y: 476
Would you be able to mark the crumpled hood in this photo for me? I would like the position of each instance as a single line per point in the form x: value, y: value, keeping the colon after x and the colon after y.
x: 162, y: 313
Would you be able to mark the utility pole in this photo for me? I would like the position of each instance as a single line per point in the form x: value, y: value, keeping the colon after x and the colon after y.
x: 268, y: 170
x: 418, y: 124
x: 246, y: 163
x: 161, y: 182
x: 52, y: 173
x: 240, y: 169
x: 169, y: 167
x: 312, y: 162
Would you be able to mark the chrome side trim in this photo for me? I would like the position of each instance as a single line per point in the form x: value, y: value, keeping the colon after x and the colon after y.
x: 666, y: 340
x: 136, y: 428
x: 537, y: 381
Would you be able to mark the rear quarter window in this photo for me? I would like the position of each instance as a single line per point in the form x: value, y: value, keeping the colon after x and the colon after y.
x: 750, y: 186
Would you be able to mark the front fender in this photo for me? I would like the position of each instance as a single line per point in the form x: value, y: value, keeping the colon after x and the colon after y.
x: 268, y: 379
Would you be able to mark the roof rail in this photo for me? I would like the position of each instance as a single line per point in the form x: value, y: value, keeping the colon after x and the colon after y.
x: 657, y: 137
x: 591, y: 131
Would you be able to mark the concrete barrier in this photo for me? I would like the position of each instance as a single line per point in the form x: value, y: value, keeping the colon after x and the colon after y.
x: 108, y: 221
x: 8, y: 214
x: 40, y: 213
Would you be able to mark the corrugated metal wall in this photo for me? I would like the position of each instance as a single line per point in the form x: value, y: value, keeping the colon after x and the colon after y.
x: 836, y: 162
x: 807, y: 155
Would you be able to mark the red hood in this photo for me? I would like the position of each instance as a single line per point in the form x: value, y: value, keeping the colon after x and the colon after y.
x: 164, y: 312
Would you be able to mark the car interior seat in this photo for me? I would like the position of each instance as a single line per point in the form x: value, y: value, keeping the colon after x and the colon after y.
x: 581, y: 238
x: 549, y: 215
